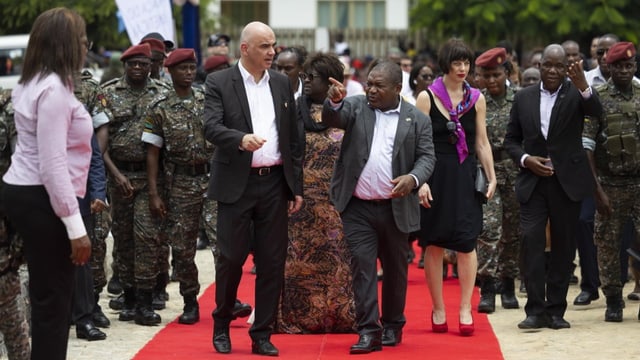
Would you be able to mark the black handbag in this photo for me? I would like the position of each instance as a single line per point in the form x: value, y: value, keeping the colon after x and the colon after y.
x: 482, y: 184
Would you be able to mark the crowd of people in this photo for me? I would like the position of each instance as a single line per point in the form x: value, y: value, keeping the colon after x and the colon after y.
x: 324, y: 168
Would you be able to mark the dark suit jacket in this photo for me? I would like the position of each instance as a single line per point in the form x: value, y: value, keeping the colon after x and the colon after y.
x: 228, y: 118
x: 564, y: 139
x: 413, y: 153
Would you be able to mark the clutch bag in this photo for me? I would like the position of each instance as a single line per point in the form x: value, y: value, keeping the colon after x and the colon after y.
x: 482, y: 184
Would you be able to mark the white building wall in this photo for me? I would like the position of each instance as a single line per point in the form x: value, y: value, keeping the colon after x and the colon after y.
x: 397, y: 14
x: 295, y: 14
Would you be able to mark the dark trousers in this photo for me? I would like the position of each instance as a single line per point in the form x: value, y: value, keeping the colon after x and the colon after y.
x: 51, y: 273
x: 548, y: 201
x: 83, y: 296
x: 263, y: 203
x: 590, y: 277
x: 371, y: 232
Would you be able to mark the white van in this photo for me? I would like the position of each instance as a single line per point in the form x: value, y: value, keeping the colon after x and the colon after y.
x: 12, y: 50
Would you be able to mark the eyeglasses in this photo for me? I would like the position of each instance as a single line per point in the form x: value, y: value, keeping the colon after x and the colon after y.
x: 88, y: 45
x: 427, y: 76
x: 453, y: 136
x: 601, y: 52
x: 140, y: 64
x: 309, y: 76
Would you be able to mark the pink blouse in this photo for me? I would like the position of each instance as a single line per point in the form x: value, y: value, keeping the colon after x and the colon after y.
x: 54, y: 146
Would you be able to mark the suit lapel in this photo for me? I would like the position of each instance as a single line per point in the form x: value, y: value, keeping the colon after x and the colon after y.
x: 275, y: 95
x: 369, y: 122
x: 535, y: 101
x: 241, y: 94
x: 405, y: 122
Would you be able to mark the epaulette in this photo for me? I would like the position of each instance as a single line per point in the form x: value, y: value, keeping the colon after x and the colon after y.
x: 86, y: 74
x: 601, y: 87
x: 110, y: 82
x: 157, y: 99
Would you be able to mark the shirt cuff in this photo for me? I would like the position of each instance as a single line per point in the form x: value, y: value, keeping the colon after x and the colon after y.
x: 416, y: 179
x: 588, y: 144
x: 522, y: 159
x: 586, y: 93
x: 335, y: 105
x: 75, y: 226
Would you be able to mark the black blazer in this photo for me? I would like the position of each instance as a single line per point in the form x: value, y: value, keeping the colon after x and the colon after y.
x: 228, y: 118
x: 563, y: 144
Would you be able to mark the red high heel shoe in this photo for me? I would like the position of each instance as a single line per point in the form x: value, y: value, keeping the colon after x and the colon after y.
x: 438, y: 328
x: 467, y: 329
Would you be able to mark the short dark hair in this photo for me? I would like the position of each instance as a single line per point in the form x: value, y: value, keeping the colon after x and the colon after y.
x: 299, y: 51
x: 326, y: 65
x: 392, y: 71
x: 454, y: 49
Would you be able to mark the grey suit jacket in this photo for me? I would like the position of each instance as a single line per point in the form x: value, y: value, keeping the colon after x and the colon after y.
x: 228, y: 118
x: 413, y: 153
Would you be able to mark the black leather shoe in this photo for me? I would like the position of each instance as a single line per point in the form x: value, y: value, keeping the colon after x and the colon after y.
x: 114, y: 287
x: 573, y: 280
x: 366, y: 344
x: 240, y: 310
x: 222, y: 341
x: 391, y: 337
x: 585, y: 298
x: 89, y: 331
x: 117, y: 303
x: 557, y: 322
x: 202, y: 243
x: 534, y: 322
x: 264, y: 347
x: 99, y: 318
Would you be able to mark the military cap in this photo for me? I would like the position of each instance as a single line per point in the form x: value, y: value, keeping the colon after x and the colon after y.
x: 178, y: 56
x: 168, y: 44
x: 622, y: 50
x: 214, y: 40
x: 492, y: 58
x: 214, y: 61
x: 137, y: 50
x: 155, y: 44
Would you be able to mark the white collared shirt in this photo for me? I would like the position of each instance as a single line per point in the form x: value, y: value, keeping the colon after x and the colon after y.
x: 375, y: 180
x: 547, y: 100
x: 263, y: 118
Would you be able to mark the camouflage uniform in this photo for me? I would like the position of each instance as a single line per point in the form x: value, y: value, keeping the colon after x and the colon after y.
x: 13, y: 326
x: 176, y: 126
x: 135, y: 231
x: 498, y: 245
x: 617, y: 160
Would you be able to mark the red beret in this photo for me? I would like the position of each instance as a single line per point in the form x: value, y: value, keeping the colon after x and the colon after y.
x: 492, y: 58
x: 137, y: 50
x: 623, y: 50
x: 156, y: 45
x: 214, y: 61
x: 181, y: 55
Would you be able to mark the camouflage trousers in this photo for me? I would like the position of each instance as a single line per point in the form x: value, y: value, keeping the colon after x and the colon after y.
x: 625, y: 202
x: 184, y: 201
x: 136, y: 236
x: 498, y: 244
x: 13, y: 326
x: 209, y: 223
x: 98, y: 235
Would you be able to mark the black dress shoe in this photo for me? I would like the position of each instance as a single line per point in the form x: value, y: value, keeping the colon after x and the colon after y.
x: 222, y: 341
x: 99, y: 318
x: 557, y: 322
x: 366, y: 344
x: 240, y: 310
x: 534, y: 322
x: 89, y: 331
x: 264, y: 347
x: 391, y: 337
x: 585, y: 298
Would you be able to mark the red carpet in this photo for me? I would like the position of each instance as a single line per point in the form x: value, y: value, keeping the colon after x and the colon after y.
x: 177, y: 341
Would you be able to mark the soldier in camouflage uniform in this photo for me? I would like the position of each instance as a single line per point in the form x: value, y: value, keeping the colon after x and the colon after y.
x: 613, y: 149
x: 498, y: 245
x: 90, y: 94
x: 13, y: 326
x: 135, y: 231
x: 175, y: 134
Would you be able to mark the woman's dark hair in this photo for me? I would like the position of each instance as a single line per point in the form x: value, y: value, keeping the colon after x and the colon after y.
x: 326, y: 65
x: 55, y: 46
x: 454, y: 49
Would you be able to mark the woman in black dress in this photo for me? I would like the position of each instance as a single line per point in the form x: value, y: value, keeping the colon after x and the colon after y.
x: 452, y: 213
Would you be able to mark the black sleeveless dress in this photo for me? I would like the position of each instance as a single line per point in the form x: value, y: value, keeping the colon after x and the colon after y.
x: 454, y: 220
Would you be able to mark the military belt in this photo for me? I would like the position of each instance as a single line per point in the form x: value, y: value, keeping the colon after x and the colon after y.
x: 499, y: 155
x: 130, y: 165
x: 191, y: 169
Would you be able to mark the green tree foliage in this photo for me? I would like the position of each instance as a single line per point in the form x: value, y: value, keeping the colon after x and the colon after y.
x: 528, y: 23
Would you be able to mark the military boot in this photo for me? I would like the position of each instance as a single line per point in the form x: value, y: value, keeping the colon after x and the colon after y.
x: 487, y: 302
x: 144, y: 314
x: 191, y: 313
x: 98, y: 317
x: 128, y: 311
x: 614, y: 308
x: 508, y: 295
x: 160, y: 295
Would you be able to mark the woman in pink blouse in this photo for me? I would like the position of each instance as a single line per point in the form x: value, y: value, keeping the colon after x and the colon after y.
x: 49, y: 172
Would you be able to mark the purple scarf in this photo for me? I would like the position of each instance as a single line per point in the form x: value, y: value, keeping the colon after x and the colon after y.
x: 469, y: 97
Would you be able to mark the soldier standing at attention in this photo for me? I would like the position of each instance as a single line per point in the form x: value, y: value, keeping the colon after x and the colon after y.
x: 498, y: 245
x: 613, y: 149
x: 174, y: 134
x: 14, y: 326
x: 135, y: 232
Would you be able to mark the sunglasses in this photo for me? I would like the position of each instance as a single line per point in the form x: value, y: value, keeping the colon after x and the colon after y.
x: 427, y: 77
x: 453, y: 136
x: 601, y: 52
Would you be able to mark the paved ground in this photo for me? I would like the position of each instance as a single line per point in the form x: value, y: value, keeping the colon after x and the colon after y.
x: 589, y: 337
